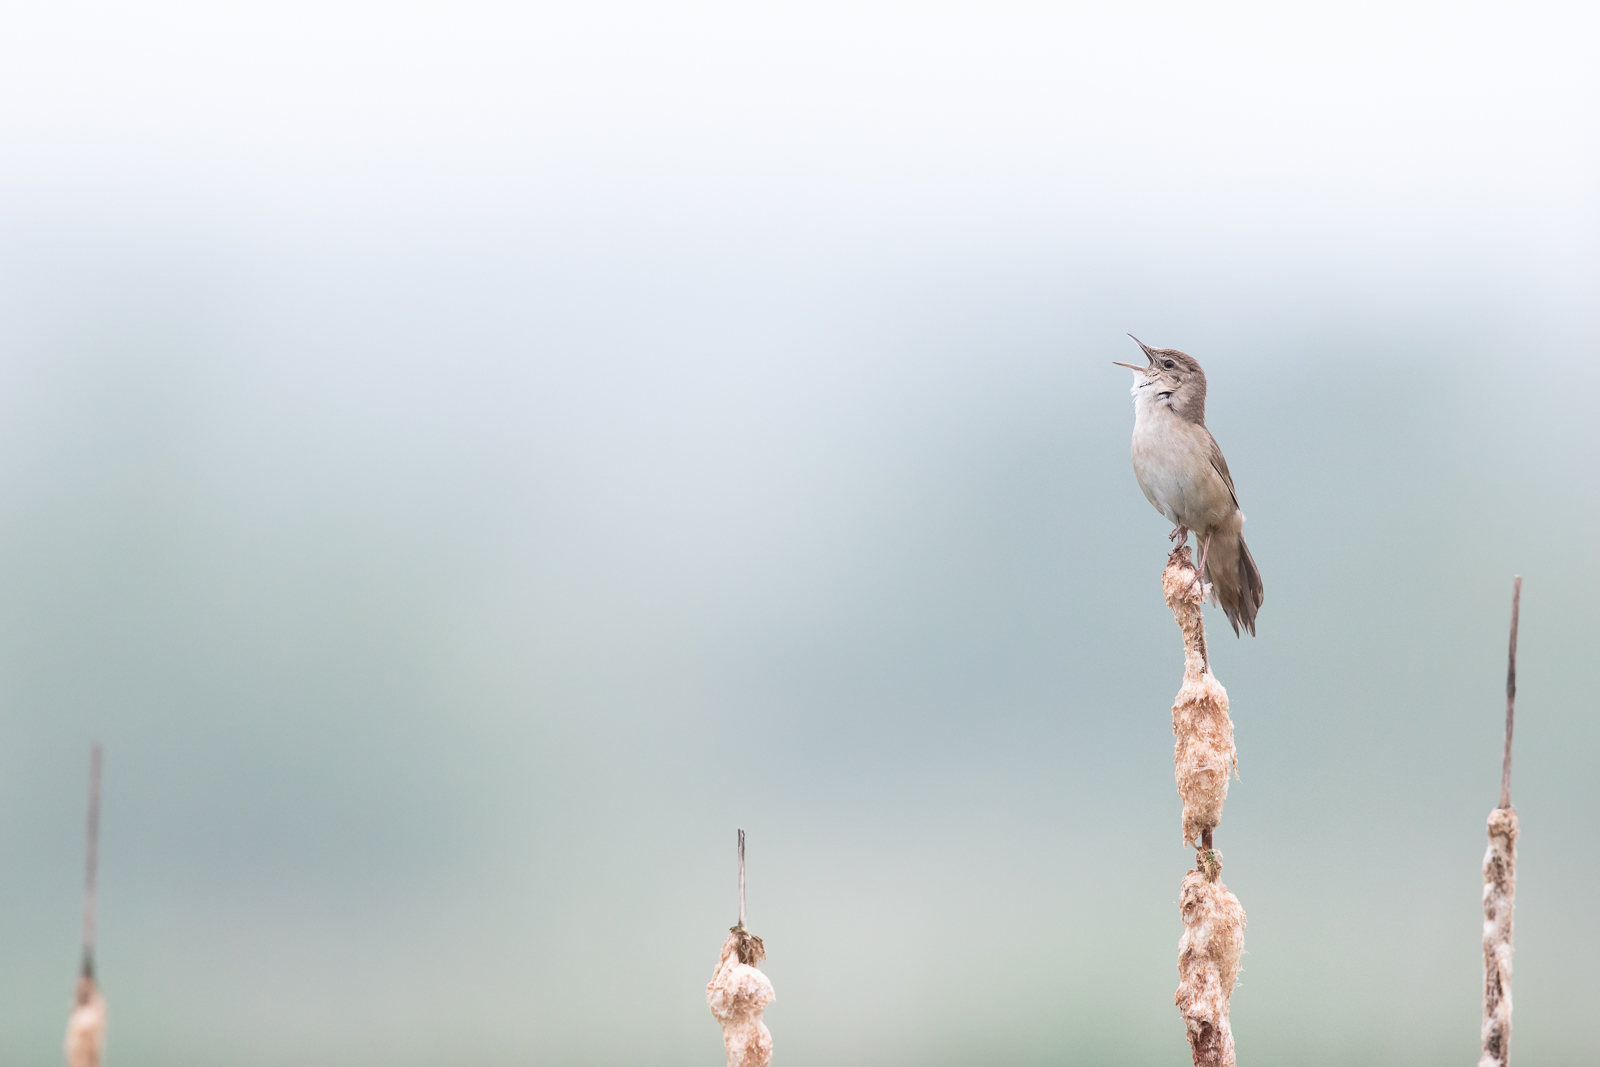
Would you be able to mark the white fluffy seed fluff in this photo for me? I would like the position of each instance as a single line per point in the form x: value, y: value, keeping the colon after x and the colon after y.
x: 738, y: 993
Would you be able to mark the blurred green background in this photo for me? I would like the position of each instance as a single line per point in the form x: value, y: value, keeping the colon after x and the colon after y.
x: 465, y: 461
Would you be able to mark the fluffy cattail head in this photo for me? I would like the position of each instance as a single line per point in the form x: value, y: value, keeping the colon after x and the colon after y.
x: 1208, y: 962
x: 1203, y: 754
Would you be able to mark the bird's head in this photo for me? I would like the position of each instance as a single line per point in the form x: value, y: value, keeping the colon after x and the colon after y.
x: 1170, y: 379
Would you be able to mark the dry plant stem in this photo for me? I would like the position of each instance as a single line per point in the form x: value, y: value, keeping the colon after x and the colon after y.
x: 737, y: 995
x: 1500, y: 883
x: 1511, y: 690
x: 91, y: 866
x: 1204, y: 754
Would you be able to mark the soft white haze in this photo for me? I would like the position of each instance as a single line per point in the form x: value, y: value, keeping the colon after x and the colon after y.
x: 1222, y: 122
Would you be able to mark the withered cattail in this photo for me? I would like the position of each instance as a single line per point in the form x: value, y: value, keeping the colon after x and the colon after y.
x: 1203, y: 758
x: 1208, y: 964
x: 1500, y: 882
x: 738, y: 992
x: 1499, y: 897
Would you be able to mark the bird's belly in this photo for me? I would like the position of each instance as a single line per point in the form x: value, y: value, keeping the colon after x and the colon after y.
x: 1182, y: 485
x: 1166, y: 488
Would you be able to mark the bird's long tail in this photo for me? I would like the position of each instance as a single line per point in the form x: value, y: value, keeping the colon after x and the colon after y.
x: 1235, y: 582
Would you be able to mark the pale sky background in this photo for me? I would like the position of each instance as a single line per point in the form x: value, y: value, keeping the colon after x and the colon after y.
x: 464, y: 461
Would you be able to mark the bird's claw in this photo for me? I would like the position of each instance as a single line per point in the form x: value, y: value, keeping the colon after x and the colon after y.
x: 1180, y: 535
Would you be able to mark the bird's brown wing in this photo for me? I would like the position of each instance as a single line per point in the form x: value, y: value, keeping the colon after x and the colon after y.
x: 1220, y: 465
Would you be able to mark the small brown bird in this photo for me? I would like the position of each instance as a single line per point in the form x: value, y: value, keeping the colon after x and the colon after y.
x: 1182, y: 472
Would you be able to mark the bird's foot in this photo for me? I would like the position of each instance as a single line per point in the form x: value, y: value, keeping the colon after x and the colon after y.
x: 1179, y: 535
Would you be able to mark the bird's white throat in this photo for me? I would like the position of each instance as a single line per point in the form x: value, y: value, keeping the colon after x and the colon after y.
x: 1147, y: 398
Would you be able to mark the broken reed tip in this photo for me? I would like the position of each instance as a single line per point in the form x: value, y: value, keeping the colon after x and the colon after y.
x: 741, y: 881
x: 1511, y: 690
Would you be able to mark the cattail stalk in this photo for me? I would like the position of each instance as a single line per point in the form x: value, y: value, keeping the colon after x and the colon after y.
x: 91, y: 864
x: 1203, y: 758
x: 86, y: 1025
x: 738, y: 992
x: 1500, y: 882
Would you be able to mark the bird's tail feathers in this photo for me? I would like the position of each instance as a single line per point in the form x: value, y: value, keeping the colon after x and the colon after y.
x: 1235, y: 581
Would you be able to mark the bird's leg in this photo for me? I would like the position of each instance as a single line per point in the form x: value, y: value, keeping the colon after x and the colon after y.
x: 1180, y: 534
x: 1200, y: 572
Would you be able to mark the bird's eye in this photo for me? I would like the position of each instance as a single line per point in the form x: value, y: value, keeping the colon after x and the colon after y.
x: 1169, y: 364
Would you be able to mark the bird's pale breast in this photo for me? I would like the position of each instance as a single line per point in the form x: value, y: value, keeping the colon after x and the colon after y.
x: 1172, y: 460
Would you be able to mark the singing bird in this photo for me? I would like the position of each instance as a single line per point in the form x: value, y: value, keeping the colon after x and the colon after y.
x: 1182, y: 472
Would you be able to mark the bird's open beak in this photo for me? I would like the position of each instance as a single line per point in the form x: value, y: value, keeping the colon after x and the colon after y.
x: 1149, y: 355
